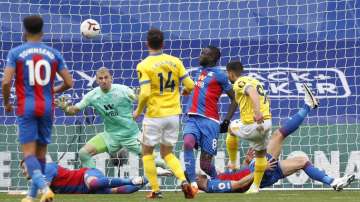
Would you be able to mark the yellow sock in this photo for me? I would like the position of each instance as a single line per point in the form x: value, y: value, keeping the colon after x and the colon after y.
x: 232, y: 147
x: 260, y: 166
x: 150, y: 172
x: 175, y: 166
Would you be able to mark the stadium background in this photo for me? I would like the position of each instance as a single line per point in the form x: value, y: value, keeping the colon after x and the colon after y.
x: 283, y: 43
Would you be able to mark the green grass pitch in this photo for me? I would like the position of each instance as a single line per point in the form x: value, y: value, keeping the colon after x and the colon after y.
x: 265, y: 196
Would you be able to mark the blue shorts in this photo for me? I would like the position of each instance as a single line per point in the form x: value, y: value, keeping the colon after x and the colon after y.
x: 93, y: 172
x: 32, y: 128
x: 270, y: 176
x: 205, y: 131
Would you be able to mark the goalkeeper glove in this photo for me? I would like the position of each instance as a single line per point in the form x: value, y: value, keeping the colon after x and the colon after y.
x: 224, y: 126
x: 62, y: 102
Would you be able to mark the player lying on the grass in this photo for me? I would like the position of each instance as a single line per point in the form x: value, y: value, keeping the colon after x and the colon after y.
x: 84, y: 181
x: 240, y: 181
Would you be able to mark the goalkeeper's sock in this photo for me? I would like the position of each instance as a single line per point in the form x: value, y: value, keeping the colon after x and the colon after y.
x: 34, y: 170
x: 231, y: 147
x: 150, y: 172
x: 317, y: 174
x: 105, y: 182
x: 189, y: 158
x: 175, y: 166
x: 127, y: 189
x: 86, y: 160
x: 293, y: 123
x: 260, y: 166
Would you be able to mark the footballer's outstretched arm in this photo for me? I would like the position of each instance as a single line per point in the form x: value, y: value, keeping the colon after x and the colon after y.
x: 67, y: 84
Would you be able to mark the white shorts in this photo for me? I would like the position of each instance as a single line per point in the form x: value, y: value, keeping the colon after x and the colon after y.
x: 257, y: 139
x: 164, y: 130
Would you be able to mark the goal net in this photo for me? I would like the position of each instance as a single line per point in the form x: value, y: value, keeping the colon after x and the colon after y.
x: 281, y: 43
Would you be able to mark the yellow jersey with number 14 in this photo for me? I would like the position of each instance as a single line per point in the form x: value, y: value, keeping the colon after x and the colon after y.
x: 164, y: 73
x: 244, y: 101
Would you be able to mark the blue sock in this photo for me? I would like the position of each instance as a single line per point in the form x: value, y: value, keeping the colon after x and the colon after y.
x: 293, y: 123
x: 34, y: 170
x: 33, y: 190
x: 105, y: 182
x: 317, y: 174
x: 189, y: 158
x: 42, y: 165
x: 208, y: 167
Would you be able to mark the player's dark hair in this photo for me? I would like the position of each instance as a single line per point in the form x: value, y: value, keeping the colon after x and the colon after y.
x: 235, y: 66
x: 155, y: 38
x: 216, y: 51
x: 33, y: 24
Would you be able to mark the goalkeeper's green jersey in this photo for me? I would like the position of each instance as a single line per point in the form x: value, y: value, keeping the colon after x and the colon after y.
x: 115, y: 107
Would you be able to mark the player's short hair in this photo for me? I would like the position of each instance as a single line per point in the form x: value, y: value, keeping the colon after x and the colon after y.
x: 103, y: 70
x: 235, y: 66
x: 33, y: 24
x: 155, y: 38
x: 216, y: 51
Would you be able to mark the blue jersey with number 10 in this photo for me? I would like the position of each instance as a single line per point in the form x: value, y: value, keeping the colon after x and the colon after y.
x: 35, y: 66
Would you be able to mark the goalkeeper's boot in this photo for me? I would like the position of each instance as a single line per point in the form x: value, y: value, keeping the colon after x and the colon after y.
x: 48, y: 196
x: 139, y: 180
x: 155, y: 195
x: 253, y: 189
x: 310, y: 99
x: 340, y: 183
x: 27, y: 199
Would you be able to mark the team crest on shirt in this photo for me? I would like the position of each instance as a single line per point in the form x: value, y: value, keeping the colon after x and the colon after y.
x: 241, y: 84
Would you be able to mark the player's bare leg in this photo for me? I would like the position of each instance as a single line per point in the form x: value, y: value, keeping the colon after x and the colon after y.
x: 292, y: 165
x: 275, y: 144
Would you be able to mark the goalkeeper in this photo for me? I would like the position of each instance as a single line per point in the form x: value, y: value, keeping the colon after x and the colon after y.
x: 114, y: 103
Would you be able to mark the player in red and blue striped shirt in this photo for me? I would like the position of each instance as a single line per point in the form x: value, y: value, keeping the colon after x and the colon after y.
x: 202, y: 126
x: 34, y: 65
x: 85, y: 181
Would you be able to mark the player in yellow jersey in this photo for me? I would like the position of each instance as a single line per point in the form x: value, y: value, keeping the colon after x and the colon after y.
x: 255, y: 118
x: 160, y: 76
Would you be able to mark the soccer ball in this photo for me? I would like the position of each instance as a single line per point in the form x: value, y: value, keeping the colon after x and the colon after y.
x: 90, y: 28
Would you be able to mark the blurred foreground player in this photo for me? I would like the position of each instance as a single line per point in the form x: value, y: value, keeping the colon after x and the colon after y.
x: 34, y: 65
